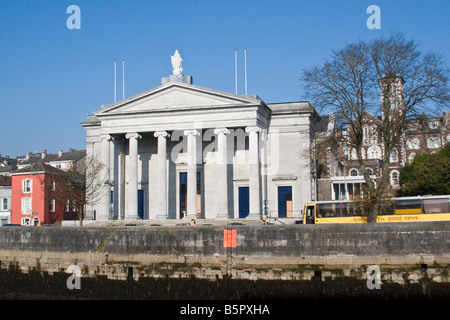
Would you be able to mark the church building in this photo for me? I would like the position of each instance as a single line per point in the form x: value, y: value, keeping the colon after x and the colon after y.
x: 180, y: 151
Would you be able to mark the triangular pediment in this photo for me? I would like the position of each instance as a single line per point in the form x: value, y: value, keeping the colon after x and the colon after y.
x: 175, y: 96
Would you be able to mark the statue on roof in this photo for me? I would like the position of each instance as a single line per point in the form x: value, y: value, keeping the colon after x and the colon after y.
x: 176, y: 63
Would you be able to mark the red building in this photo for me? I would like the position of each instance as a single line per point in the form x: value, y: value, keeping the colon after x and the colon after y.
x: 32, y: 201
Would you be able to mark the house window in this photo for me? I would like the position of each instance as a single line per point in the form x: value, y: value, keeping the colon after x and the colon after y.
x: 52, y: 205
x: 370, y: 171
x: 434, y: 124
x: 366, y: 134
x: 353, y: 172
x: 5, y: 204
x: 26, y: 205
x: 433, y: 142
x: 394, y: 177
x: 27, y: 185
x: 374, y: 153
x: 393, y: 103
x: 413, y: 126
x: 413, y: 143
x: 394, y: 155
x: 28, y: 221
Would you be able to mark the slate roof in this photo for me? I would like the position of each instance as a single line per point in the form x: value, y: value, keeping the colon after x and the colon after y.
x: 72, y: 155
x: 40, y: 167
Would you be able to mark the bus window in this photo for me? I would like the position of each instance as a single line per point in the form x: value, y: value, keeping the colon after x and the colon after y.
x: 386, y: 208
x: 327, y: 210
x: 347, y: 210
x: 436, y: 206
x: 412, y: 206
x: 310, y: 215
x: 352, y: 209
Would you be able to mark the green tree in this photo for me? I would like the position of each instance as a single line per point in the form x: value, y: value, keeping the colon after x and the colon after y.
x: 427, y: 174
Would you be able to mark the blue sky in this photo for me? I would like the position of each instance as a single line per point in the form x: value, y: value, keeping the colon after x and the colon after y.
x: 52, y: 77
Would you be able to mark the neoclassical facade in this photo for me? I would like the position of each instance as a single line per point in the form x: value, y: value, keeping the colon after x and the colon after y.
x: 183, y: 151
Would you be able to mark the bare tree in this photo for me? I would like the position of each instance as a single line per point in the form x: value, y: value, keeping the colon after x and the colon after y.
x: 408, y: 81
x: 79, y: 186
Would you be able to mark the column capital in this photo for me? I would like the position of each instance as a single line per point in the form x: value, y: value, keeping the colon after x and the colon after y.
x: 189, y: 132
x: 221, y: 130
x: 106, y: 137
x: 133, y: 135
x: 252, y: 129
x: 163, y: 134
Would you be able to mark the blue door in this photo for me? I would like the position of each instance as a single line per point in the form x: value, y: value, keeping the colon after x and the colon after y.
x: 183, y: 194
x: 244, y: 202
x: 284, y: 202
x: 141, y: 204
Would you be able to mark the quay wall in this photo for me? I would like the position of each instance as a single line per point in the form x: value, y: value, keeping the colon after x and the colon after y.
x: 404, y: 252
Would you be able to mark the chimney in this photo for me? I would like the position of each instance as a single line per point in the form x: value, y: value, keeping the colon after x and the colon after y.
x: 60, y: 153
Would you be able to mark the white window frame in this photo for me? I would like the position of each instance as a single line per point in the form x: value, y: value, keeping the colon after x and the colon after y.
x: 394, y: 155
x: 433, y: 124
x: 27, y: 185
x: 393, y: 182
x: 433, y: 142
x: 52, y: 205
x: 413, y: 144
x: 27, y: 203
x: 374, y: 152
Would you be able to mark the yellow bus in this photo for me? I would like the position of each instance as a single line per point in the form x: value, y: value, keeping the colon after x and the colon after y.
x: 405, y: 209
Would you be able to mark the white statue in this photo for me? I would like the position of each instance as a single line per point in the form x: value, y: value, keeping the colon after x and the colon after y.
x: 331, y: 124
x: 176, y: 63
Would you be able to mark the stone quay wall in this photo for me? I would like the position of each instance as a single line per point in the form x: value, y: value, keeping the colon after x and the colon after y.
x: 403, y: 252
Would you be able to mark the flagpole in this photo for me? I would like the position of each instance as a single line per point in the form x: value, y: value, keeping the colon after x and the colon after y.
x: 115, y: 100
x: 245, y: 63
x: 235, y: 69
x: 123, y: 79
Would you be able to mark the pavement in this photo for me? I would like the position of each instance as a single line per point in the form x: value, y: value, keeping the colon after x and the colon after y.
x: 186, y: 222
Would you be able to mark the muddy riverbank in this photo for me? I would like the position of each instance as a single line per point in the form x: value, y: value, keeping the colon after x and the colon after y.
x: 41, y: 285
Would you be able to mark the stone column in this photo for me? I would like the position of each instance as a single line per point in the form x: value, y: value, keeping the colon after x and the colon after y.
x: 132, y: 177
x: 254, y: 175
x: 118, y: 176
x: 222, y: 173
x: 161, y: 190
x: 103, y: 212
x: 191, y: 173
